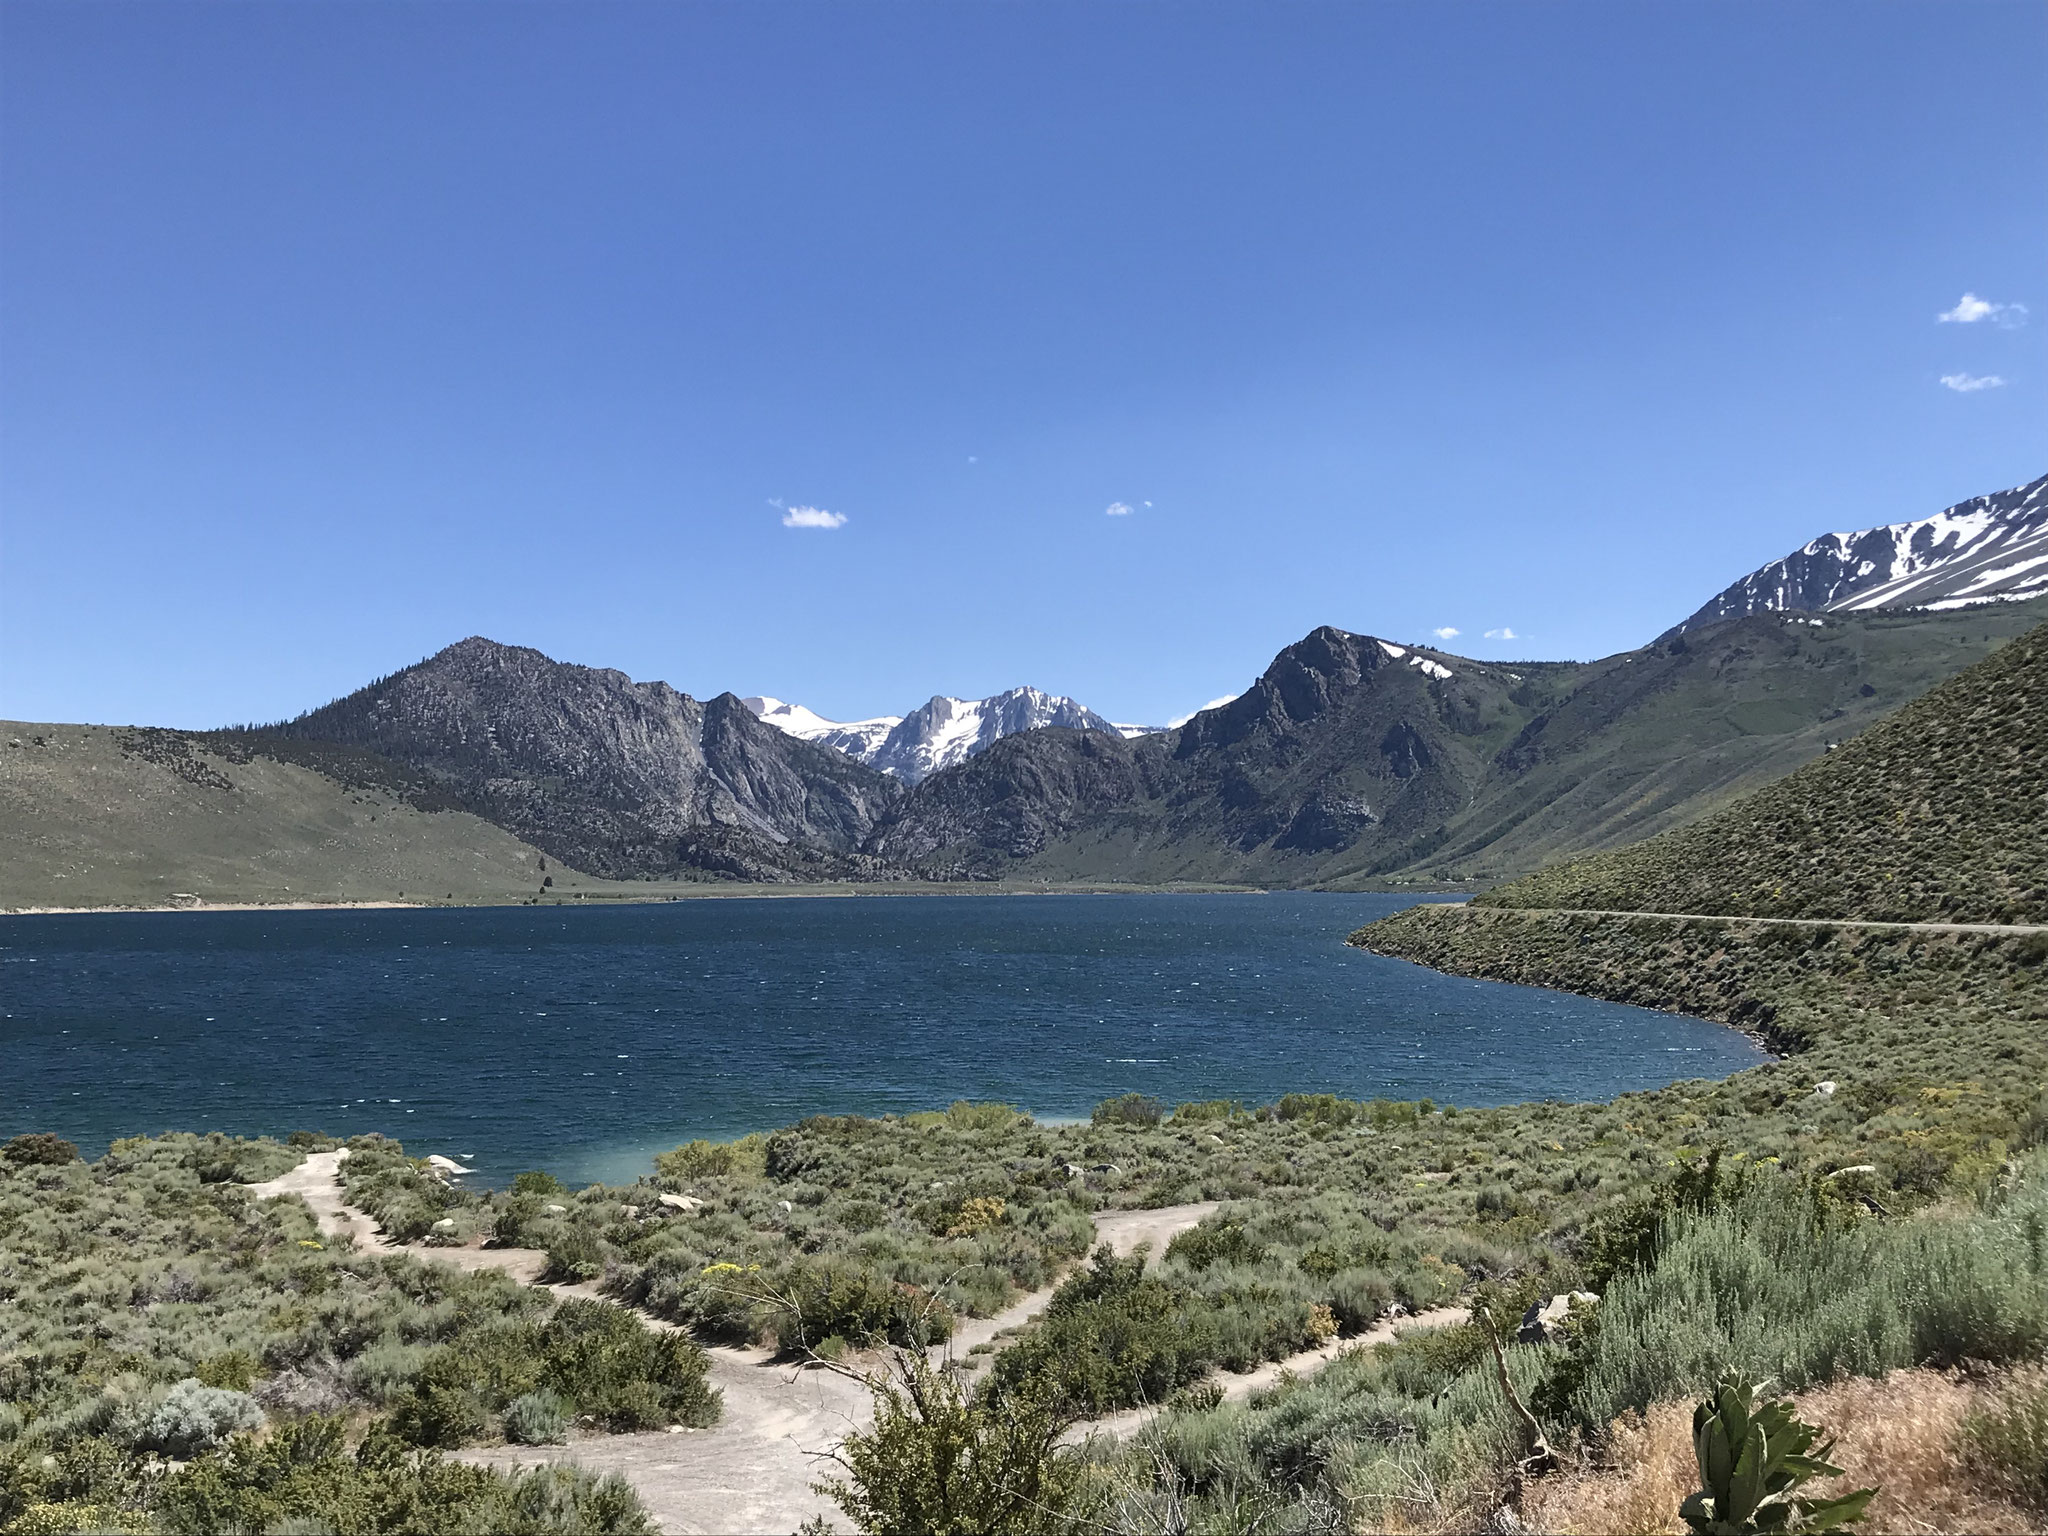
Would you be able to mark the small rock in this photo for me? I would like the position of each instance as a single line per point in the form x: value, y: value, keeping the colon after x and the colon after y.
x: 445, y: 1224
x: 1540, y: 1322
x: 1825, y: 1090
x: 785, y: 1205
x: 1858, y: 1168
x: 1075, y: 1170
x: 558, y: 1210
x: 630, y: 1212
x: 1215, y: 1138
x: 687, y: 1203
x: 447, y: 1165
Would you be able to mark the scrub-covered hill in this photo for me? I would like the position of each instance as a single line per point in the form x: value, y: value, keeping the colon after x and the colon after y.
x: 95, y: 816
x: 1939, y: 813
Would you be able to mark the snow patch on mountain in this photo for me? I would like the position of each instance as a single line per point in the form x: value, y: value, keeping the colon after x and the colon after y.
x: 1987, y: 550
x: 943, y: 732
x: 856, y: 738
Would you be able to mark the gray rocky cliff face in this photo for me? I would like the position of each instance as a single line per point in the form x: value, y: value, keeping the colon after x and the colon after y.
x: 617, y: 777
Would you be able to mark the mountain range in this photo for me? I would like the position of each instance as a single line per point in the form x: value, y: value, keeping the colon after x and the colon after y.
x: 1354, y: 760
x: 943, y: 732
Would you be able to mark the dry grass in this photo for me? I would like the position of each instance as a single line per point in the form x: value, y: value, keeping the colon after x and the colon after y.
x: 1898, y: 1433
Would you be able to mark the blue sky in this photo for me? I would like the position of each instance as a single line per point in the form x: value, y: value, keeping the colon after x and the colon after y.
x: 330, y: 334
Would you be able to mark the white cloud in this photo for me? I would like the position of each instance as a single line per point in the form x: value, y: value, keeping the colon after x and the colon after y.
x: 1148, y: 503
x: 812, y: 517
x: 1503, y: 633
x: 1117, y: 509
x: 1448, y: 632
x: 1970, y: 383
x: 1173, y: 725
x: 1970, y: 309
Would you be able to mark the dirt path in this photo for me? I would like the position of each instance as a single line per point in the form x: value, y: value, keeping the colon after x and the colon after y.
x: 753, y: 1470
x: 1237, y: 1388
x: 1798, y: 922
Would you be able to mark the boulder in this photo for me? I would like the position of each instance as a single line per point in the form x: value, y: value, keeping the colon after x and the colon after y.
x: 1825, y: 1090
x: 1542, y: 1320
x: 447, y: 1165
x: 685, y: 1203
x: 558, y: 1210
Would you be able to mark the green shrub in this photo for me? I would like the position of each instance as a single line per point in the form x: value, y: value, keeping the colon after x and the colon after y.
x: 194, y: 1418
x: 964, y: 1115
x: 1112, y: 1337
x: 1129, y: 1109
x: 697, y: 1160
x: 1359, y: 1298
x: 1219, y: 1242
x: 933, y: 1461
x: 1208, y: 1110
x: 302, y: 1477
x: 575, y: 1256
x: 825, y: 1298
x: 234, y: 1369
x: 39, y: 1149
x: 538, y: 1418
x: 600, y: 1359
x: 1804, y: 1291
x: 536, y: 1182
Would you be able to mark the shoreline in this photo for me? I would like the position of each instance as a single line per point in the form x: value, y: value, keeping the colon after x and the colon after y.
x: 733, y: 893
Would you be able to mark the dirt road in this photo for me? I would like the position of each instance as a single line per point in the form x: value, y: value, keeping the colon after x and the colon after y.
x: 1797, y: 922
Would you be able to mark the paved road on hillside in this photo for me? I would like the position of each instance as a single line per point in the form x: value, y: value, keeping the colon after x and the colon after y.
x: 1802, y: 922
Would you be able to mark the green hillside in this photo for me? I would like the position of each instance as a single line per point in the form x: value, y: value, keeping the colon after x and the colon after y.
x: 1938, y: 813
x: 94, y: 816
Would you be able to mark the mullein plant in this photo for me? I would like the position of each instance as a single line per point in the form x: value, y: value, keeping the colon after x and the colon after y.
x: 1753, y: 1462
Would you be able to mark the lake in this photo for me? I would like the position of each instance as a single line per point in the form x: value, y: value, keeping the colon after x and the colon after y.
x: 585, y: 1040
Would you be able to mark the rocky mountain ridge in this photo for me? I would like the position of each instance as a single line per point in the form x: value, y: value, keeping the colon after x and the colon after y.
x: 1988, y: 549
x: 616, y: 777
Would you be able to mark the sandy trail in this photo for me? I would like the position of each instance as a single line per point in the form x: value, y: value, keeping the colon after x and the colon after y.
x: 753, y: 1470
x: 1237, y: 1388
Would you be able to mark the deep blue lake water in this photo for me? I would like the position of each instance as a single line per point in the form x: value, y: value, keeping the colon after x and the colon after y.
x: 584, y: 1041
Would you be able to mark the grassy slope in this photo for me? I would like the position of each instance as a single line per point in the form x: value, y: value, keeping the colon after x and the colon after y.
x: 88, y: 823
x: 1939, y: 813
x: 1652, y: 743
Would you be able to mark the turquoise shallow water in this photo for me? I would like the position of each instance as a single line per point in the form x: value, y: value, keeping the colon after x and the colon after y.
x: 582, y: 1041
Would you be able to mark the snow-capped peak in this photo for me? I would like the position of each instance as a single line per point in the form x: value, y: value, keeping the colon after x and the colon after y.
x: 943, y: 732
x: 793, y: 718
x: 1989, y: 549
